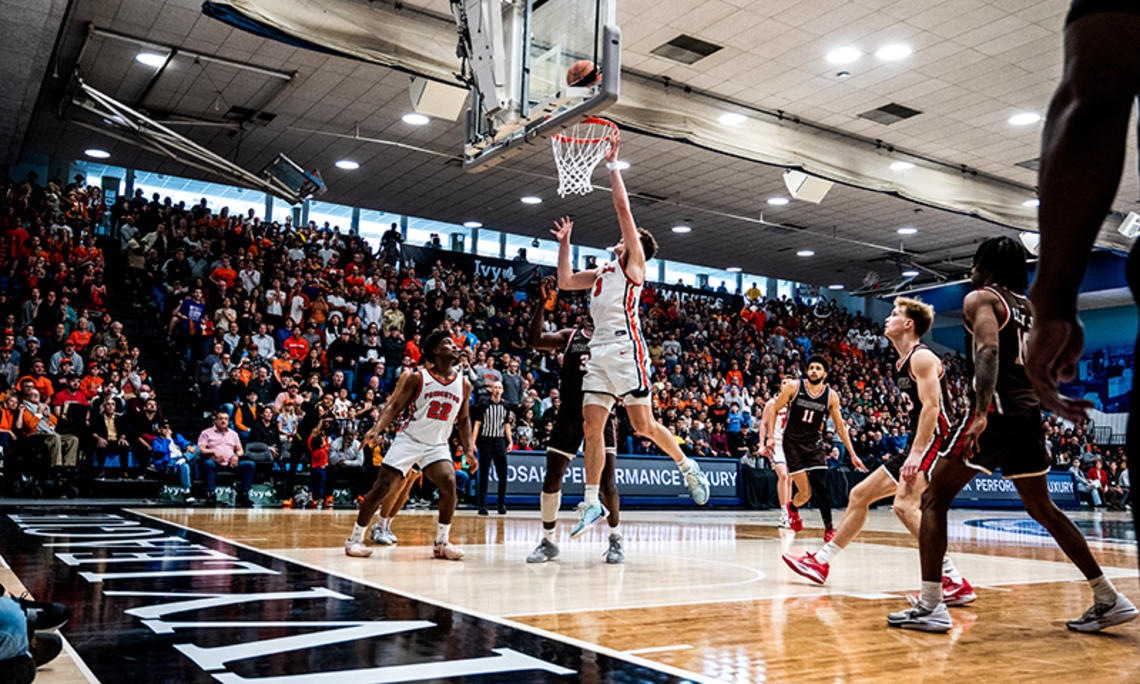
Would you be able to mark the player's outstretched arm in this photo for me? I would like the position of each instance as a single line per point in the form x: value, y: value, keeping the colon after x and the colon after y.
x: 567, y: 278
x: 543, y: 340
x: 635, y: 255
x: 463, y: 421
x: 407, y: 387
x: 841, y: 430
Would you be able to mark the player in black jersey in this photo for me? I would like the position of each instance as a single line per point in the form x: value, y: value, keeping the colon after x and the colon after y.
x: 918, y: 374
x: 567, y: 434
x: 809, y: 402
x: 1003, y: 430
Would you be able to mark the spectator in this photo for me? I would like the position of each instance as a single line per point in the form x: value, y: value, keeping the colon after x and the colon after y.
x: 220, y: 449
x: 173, y: 454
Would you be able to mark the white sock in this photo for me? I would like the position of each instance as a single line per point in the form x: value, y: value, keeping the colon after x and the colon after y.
x: 931, y: 595
x: 548, y: 534
x: 686, y: 464
x: 829, y: 551
x: 357, y: 533
x: 950, y: 570
x: 386, y: 524
x: 1104, y: 593
x: 592, y: 494
x: 616, y: 529
x: 442, y: 532
x: 549, y: 503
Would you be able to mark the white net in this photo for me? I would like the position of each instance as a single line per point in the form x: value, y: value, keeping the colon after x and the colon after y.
x: 577, y: 151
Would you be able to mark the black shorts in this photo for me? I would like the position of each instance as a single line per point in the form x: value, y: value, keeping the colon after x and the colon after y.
x: 568, y: 432
x: 1083, y: 8
x: 801, y: 457
x: 929, y: 458
x: 1013, y: 444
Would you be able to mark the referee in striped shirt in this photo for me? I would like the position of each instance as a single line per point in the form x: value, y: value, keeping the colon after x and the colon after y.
x: 492, y: 427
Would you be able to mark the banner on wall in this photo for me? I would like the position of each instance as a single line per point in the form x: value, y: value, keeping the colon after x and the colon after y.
x: 647, y: 479
x: 519, y: 274
x: 994, y: 491
x: 723, y: 301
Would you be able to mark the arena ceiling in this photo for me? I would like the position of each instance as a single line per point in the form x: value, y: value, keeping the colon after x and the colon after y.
x: 974, y: 64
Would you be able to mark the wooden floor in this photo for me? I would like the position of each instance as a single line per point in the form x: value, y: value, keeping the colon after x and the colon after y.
x: 706, y: 592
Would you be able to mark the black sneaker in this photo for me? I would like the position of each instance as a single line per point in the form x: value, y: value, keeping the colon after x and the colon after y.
x: 45, y: 646
x: 43, y: 615
x: 482, y: 511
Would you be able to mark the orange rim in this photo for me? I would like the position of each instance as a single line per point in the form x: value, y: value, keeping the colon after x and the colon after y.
x: 586, y: 141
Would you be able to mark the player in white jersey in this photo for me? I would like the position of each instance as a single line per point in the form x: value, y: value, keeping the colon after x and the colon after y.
x: 619, y: 359
x: 430, y: 403
x: 775, y: 454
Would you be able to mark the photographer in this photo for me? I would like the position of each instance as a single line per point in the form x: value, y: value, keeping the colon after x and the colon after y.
x: 390, y: 245
x: 316, y: 416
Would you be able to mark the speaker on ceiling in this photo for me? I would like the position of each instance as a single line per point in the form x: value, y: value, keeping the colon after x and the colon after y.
x: 437, y: 100
x: 806, y: 188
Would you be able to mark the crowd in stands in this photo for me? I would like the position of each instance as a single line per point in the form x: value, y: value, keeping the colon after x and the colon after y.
x: 295, y: 336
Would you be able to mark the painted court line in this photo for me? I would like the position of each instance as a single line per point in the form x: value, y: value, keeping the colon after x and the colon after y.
x: 554, y: 636
x: 658, y: 649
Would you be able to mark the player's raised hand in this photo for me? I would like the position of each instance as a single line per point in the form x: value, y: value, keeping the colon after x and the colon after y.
x: 562, y: 229
x: 612, y: 150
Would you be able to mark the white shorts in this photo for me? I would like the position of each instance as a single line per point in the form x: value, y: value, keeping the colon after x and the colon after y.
x: 406, y: 453
x: 616, y: 369
x: 778, y: 455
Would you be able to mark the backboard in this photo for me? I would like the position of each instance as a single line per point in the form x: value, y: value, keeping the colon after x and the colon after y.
x: 517, y: 56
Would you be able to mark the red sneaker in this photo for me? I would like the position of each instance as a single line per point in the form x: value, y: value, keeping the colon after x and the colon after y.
x: 794, y: 521
x: 808, y: 567
x: 828, y: 534
x: 328, y: 502
x: 953, y: 593
x: 957, y: 593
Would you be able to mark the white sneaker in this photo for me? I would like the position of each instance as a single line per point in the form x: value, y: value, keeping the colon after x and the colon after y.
x: 447, y: 551
x: 1098, y: 617
x: 922, y: 618
x: 382, y: 536
x: 785, y: 523
x: 356, y: 549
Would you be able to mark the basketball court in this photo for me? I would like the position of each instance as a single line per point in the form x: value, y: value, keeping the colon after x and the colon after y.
x: 702, y: 596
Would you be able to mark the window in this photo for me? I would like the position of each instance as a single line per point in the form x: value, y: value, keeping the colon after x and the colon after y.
x: 785, y: 288
x: 545, y: 253
x: 373, y: 225
x: 420, y: 231
x: 488, y: 243
x: 335, y: 215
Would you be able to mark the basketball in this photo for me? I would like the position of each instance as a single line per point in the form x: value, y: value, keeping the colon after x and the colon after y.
x: 581, y: 70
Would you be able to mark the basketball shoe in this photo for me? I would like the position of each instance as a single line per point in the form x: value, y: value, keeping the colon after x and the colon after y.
x: 382, y: 536
x: 697, y: 483
x: 588, y: 516
x: 785, y: 522
x: 446, y: 550
x: 953, y: 593
x: 828, y: 534
x: 614, y: 554
x: 794, y: 521
x: 923, y: 619
x: 356, y: 549
x: 808, y: 567
x: 545, y: 551
x: 1098, y: 617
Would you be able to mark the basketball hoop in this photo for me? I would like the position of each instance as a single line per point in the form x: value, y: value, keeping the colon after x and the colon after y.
x: 577, y: 151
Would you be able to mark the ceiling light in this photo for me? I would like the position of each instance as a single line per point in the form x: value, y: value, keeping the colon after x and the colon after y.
x: 778, y: 201
x: 732, y: 118
x: 909, y: 274
x: 907, y: 230
x: 415, y: 119
x: 97, y: 153
x: 682, y: 229
x: 1024, y: 119
x: 734, y: 269
x: 843, y: 55
x: 835, y: 286
x: 151, y: 59
x: 472, y: 224
x: 805, y: 253
x: 1031, y: 203
x: 531, y: 199
x: 901, y: 166
x: 621, y: 165
x: 893, y: 52
x: 347, y: 165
